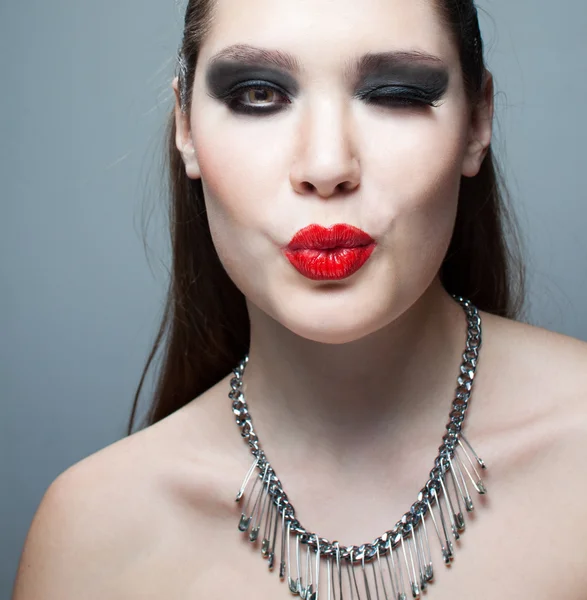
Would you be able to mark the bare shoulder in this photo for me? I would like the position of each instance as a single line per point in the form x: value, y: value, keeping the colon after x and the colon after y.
x: 88, y: 523
x: 537, y: 382
x: 535, y: 421
x: 548, y: 370
x: 529, y: 415
x: 106, y: 514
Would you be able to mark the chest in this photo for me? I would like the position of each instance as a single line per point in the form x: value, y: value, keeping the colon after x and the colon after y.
x: 523, y: 540
x: 501, y: 554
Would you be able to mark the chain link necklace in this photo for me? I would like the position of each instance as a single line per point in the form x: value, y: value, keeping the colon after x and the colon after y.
x: 399, y: 561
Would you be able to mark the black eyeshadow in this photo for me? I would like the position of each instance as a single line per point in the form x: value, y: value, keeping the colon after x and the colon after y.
x: 431, y: 81
x: 223, y: 75
x: 373, y: 75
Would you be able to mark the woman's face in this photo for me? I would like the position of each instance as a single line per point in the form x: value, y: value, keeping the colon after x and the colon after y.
x: 327, y: 137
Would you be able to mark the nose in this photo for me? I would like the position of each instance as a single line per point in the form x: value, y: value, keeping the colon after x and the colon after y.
x: 326, y: 161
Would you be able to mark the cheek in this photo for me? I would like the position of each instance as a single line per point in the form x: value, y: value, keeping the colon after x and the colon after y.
x: 418, y: 160
x: 428, y: 191
x: 234, y: 195
x: 416, y: 166
x: 236, y: 168
x: 414, y: 173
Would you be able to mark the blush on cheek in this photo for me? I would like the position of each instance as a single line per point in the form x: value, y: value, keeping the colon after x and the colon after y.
x: 436, y: 181
x: 221, y: 195
x: 231, y: 221
x: 226, y: 177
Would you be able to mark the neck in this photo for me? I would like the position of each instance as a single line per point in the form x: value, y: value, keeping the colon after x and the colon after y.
x: 354, y: 398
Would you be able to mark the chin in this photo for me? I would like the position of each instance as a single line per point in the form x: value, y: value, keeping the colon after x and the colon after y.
x: 329, y: 325
x: 323, y: 334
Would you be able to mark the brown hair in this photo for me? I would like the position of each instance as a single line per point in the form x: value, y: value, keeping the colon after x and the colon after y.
x: 204, y: 330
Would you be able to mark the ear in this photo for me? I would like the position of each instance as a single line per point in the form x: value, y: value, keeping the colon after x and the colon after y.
x: 480, y: 129
x: 183, y: 136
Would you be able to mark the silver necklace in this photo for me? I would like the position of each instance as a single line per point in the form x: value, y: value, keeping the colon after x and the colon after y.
x: 399, y: 559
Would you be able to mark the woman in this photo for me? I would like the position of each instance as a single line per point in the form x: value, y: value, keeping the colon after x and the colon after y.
x: 337, y: 219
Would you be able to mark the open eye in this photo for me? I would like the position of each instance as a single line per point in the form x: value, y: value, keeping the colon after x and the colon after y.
x: 259, y: 94
x: 253, y: 98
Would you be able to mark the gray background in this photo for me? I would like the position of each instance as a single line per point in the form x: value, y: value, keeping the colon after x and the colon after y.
x: 85, y: 92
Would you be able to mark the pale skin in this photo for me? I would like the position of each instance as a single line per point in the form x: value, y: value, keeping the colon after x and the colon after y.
x: 349, y: 384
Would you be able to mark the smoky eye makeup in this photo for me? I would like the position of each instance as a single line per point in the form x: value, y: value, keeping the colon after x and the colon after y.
x: 223, y: 76
x: 412, y: 84
x: 388, y: 84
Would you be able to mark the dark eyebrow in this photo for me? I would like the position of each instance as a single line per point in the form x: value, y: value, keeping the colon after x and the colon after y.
x: 354, y: 69
x: 259, y: 57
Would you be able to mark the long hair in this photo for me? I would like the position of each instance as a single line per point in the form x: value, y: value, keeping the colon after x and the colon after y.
x: 204, y: 330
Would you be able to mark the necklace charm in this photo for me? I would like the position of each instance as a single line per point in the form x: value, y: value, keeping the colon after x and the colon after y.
x: 397, y: 564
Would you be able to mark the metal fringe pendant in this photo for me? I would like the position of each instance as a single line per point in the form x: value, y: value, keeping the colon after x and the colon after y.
x: 396, y: 565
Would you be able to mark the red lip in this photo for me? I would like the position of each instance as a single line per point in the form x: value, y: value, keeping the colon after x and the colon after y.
x: 336, y: 253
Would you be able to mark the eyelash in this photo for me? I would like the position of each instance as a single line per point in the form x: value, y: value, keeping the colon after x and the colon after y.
x: 415, y: 98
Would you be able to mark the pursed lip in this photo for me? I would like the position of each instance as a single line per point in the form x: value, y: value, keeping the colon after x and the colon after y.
x: 317, y: 237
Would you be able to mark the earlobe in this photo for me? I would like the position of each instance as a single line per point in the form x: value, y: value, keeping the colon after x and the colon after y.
x: 192, y: 168
x: 183, y: 137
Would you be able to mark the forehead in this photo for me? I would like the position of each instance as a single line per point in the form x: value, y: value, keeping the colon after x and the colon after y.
x: 327, y: 32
